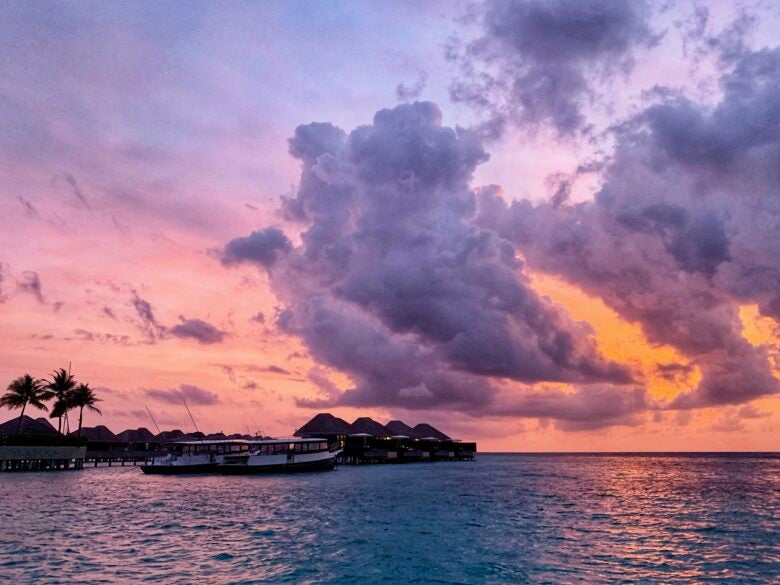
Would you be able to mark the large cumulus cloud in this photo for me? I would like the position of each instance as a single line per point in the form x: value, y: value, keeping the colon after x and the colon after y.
x: 683, y: 231
x: 394, y: 284
x: 534, y: 61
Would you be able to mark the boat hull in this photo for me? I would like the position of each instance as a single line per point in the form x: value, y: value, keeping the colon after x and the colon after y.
x: 293, y: 467
x: 179, y: 469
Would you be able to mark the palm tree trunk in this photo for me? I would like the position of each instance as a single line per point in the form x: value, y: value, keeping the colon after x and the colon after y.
x: 81, y: 415
x: 19, y: 425
x: 59, y: 425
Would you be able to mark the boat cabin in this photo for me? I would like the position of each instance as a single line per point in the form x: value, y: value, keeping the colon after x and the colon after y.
x: 218, y: 447
x: 294, y: 445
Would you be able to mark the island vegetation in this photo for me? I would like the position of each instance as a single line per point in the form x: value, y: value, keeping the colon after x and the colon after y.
x: 67, y: 394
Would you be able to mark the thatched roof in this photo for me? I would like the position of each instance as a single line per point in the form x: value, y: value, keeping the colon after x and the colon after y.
x: 324, y: 424
x: 142, y: 435
x: 173, y: 435
x: 369, y: 426
x: 30, y: 426
x: 399, y: 427
x: 99, y: 433
x: 424, y: 430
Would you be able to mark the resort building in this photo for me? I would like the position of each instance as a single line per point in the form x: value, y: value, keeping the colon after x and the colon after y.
x: 368, y: 441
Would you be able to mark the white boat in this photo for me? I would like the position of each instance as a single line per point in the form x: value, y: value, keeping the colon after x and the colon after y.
x: 241, y: 456
x: 281, y: 456
x: 195, y: 456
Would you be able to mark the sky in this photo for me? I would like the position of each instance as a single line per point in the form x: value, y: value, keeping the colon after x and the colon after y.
x: 543, y: 226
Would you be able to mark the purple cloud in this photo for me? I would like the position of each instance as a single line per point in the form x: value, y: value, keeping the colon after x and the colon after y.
x: 30, y: 283
x: 683, y: 230
x: 588, y: 408
x: 192, y: 394
x: 534, y: 59
x: 395, y: 285
x: 197, y: 329
x: 263, y: 247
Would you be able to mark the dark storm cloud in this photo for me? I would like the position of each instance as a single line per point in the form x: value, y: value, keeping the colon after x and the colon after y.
x: 534, y: 59
x: 263, y: 247
x: 201, y: 331
x: 683, y: 231
x: 191, y: 394
x: 394, y: 285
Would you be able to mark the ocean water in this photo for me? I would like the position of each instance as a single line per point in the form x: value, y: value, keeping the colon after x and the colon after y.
x: 500, y: 519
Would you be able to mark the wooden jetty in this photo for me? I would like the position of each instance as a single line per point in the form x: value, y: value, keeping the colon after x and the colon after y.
x: 365, y: 441
x: 36, y: 453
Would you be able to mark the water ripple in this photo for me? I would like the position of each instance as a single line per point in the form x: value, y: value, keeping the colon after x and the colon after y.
x: 501, y: 519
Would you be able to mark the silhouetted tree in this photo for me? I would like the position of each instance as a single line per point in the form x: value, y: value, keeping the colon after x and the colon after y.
x: 80, y: 397
x: 60, y: 385
x: 23, y: 391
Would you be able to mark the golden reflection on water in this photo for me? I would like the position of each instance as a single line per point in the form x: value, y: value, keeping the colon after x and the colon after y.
x: 501, y: 519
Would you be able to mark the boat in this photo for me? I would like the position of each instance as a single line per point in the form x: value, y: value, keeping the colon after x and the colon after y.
x: 281, y: 456
x: 195, y: 456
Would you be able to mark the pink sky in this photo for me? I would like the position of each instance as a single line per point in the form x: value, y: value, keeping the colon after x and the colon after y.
x: 136, y: 141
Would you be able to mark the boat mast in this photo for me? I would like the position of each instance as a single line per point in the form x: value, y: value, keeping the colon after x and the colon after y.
x: 190, y: 413
x: 152, y: 417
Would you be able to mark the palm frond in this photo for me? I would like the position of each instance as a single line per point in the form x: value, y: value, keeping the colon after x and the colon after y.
x: 59, y: 409
x: 24, y: 390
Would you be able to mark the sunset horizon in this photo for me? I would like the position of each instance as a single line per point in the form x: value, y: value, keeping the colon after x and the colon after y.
x: 275, y: 227
x: 339, y: 292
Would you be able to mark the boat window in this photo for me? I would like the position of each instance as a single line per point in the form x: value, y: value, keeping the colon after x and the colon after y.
x: 323, y: 446
x: 298, y: 447
x: 280, y: 448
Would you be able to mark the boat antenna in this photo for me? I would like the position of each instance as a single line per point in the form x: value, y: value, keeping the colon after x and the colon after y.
x: 152, y: 417
x: 191, y: 417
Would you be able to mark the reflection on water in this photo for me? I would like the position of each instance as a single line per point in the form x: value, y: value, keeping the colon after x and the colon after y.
x: 501, y: 519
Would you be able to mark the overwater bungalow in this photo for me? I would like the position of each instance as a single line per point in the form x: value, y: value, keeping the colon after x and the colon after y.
x: 28, y: 444
x: 368, y: 441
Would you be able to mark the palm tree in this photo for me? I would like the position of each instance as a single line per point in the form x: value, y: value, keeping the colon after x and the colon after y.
x: 83, y: 396
x: 60, y: 385
x: 23, y: 391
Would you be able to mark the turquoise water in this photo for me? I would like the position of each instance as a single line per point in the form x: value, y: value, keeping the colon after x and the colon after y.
x: 500, y: 519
